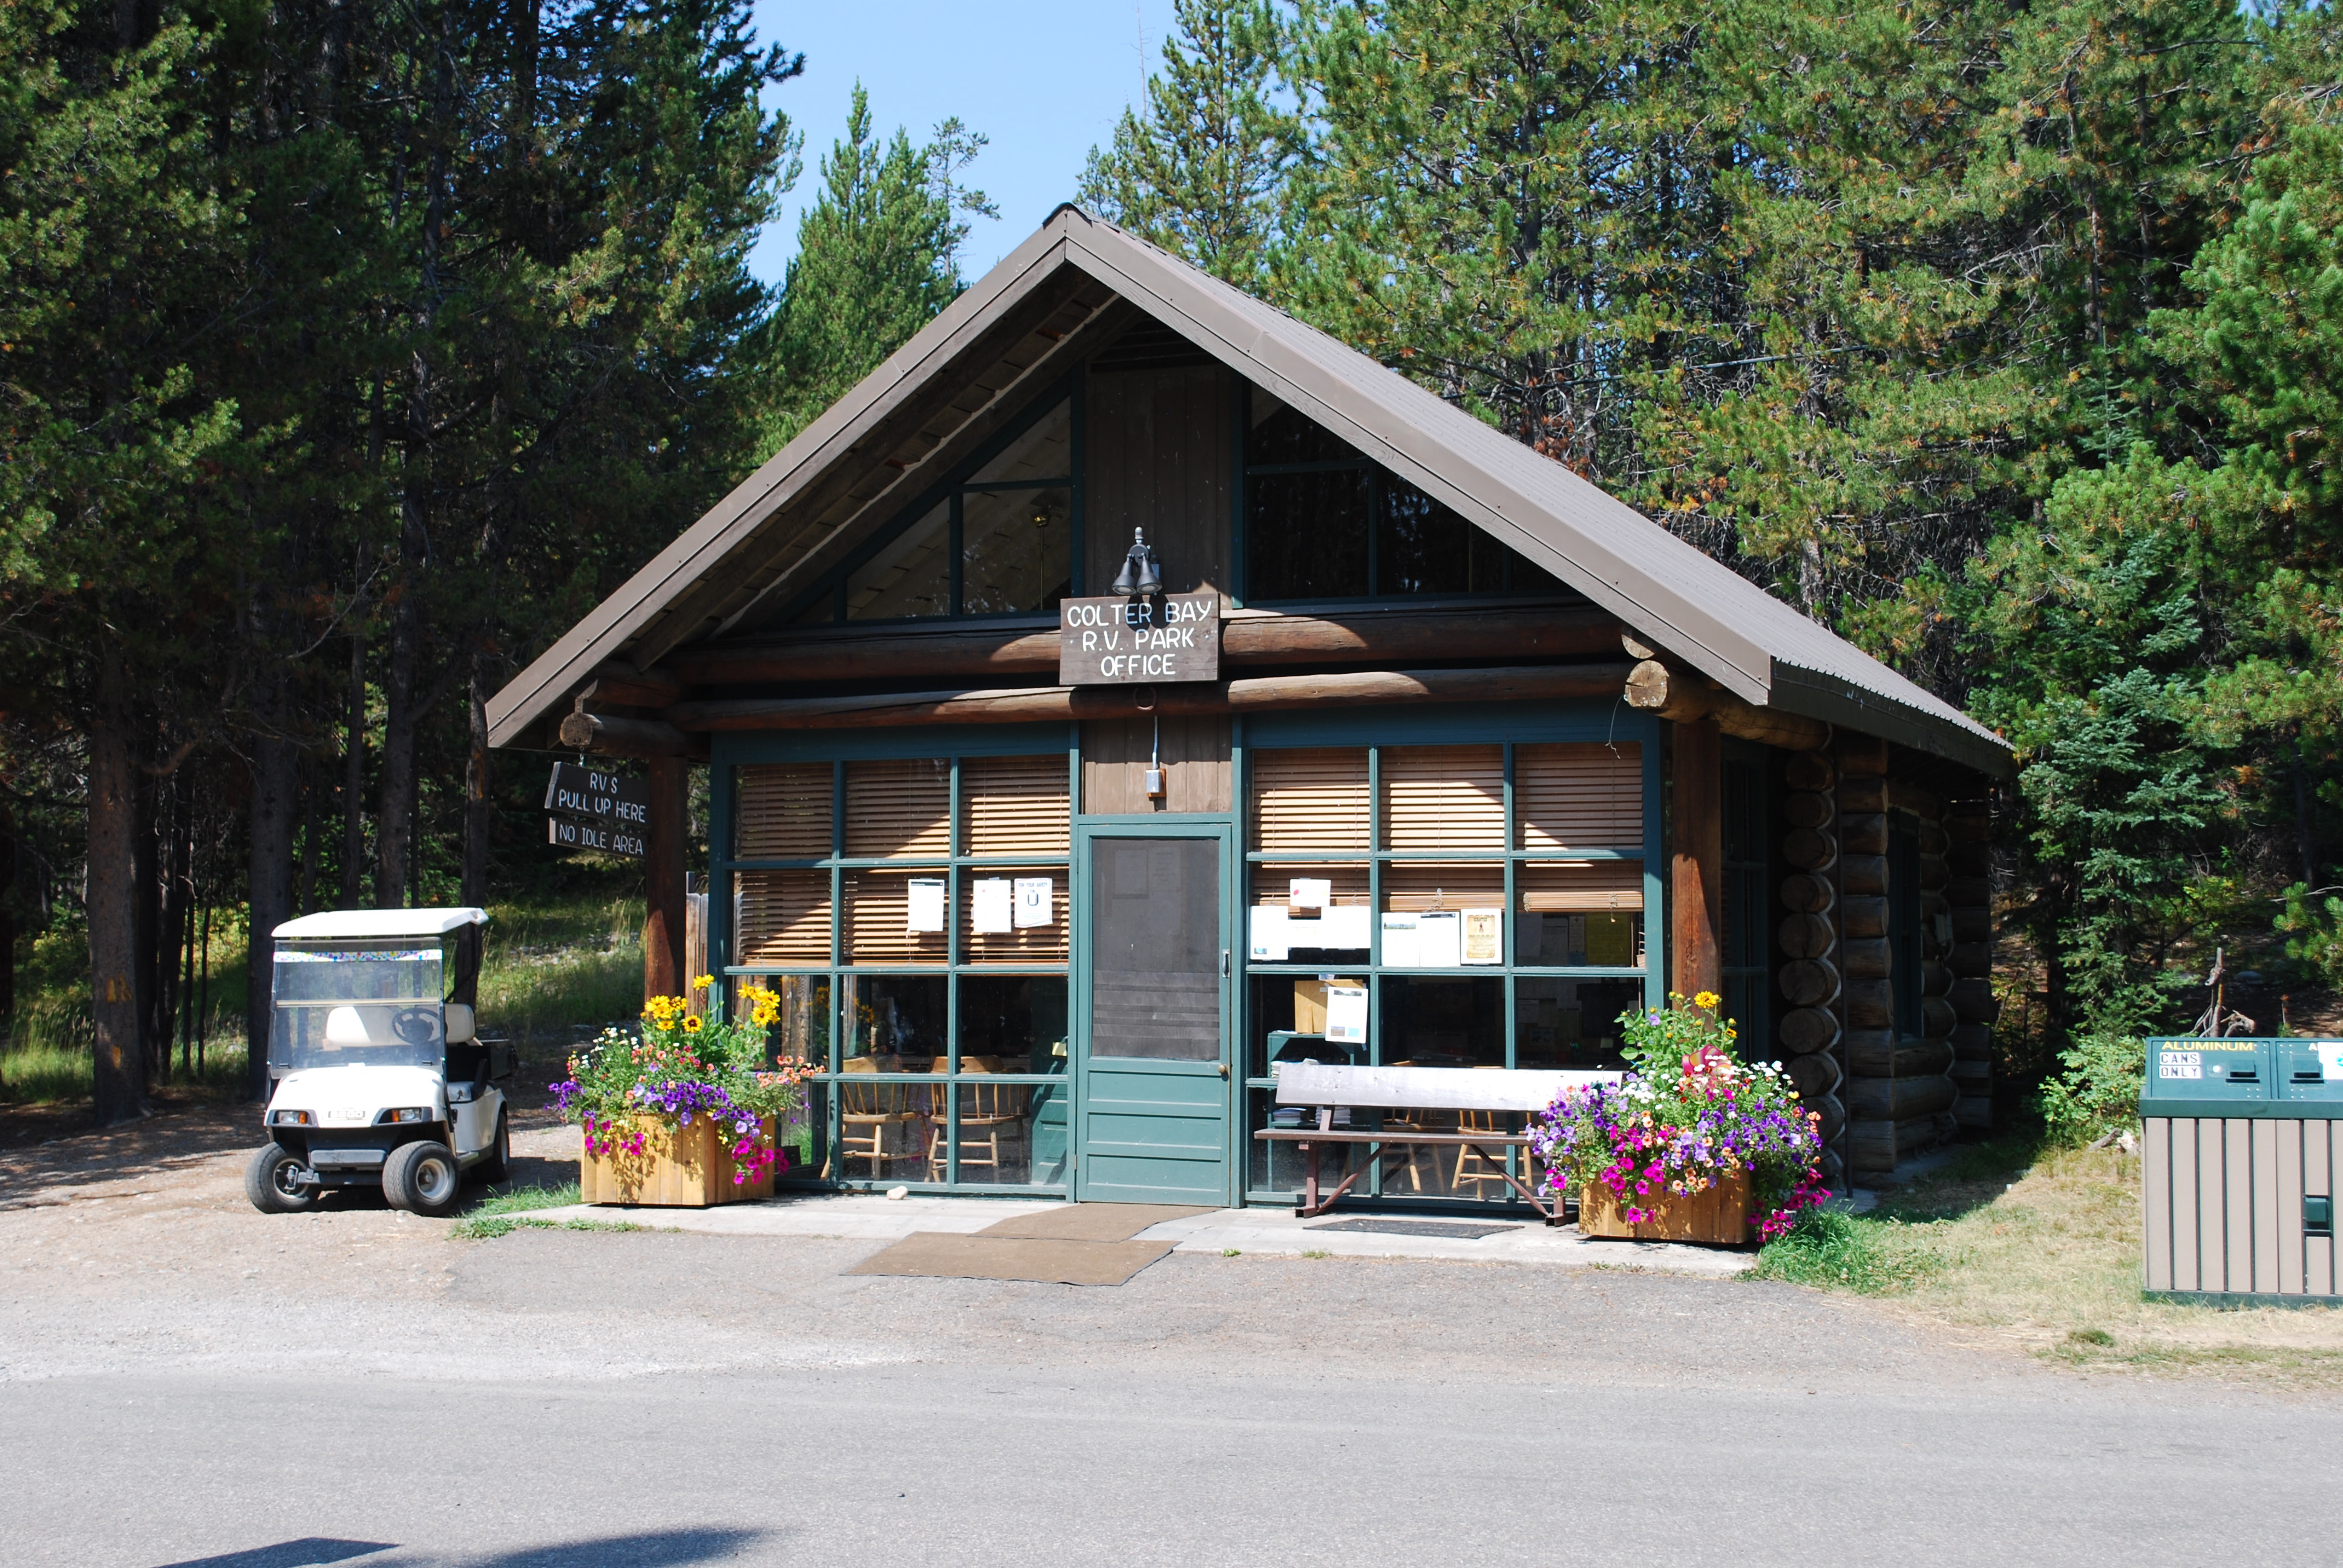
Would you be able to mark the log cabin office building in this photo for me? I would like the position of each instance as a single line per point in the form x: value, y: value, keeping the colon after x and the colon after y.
x: 1481, y: 741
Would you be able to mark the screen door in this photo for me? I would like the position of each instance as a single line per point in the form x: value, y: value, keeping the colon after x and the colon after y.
x: 1155, y: 1095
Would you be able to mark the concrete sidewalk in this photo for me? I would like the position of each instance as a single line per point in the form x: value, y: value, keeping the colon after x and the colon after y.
x: 870, y: 1216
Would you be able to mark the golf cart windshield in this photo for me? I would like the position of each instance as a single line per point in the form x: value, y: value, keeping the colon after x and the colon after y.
x: 346, y: 1007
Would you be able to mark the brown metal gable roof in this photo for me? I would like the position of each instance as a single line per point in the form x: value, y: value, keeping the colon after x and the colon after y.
x: 1680, y: 599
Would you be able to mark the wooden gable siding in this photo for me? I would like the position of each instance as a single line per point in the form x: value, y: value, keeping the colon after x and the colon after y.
x: 1158, y: 459
x: 1195, y: 751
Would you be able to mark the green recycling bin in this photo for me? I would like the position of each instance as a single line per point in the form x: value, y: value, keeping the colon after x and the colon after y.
x: 2243, y: 1139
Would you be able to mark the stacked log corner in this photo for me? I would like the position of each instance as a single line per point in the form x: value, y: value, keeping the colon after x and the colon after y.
x: 1899, y: 1092
x: 1969, y: 895
x: 1810, y: 978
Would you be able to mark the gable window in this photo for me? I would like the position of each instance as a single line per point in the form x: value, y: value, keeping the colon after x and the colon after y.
x: 1324, y: 522
x: 998, y: 539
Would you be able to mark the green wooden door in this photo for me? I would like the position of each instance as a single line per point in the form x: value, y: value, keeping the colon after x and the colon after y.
x: 1152, y: 956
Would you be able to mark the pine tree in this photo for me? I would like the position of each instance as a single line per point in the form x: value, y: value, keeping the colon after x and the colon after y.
x: 1204, y: 173
x: 873, y: 266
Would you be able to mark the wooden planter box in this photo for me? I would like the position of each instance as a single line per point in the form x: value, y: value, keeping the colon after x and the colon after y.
x: 1719, y: 1216
x: 679, y: 1168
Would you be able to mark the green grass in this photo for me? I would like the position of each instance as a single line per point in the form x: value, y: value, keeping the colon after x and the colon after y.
x: 2040, y: 1247
x: 502, y: 1213
x: 553, y: 967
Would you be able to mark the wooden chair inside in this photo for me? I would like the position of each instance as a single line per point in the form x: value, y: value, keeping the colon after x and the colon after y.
x: 869, y: 1112
x: 1472, y: 1166
x: 1410, y: 1158
x: 990, y: 1113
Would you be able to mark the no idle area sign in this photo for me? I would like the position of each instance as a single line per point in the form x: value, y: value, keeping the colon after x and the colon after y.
x: 596, y: 809
x: 1119, y: 641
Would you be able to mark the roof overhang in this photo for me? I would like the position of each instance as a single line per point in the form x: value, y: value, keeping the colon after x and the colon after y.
x: 1690, y: 606
x: 376, y: 925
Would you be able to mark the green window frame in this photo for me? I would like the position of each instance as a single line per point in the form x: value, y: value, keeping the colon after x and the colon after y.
x: 826, y: 1102
x: 1460, y: 728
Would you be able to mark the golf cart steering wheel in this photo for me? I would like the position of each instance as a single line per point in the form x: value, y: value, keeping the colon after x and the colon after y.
x: 417, y: 1025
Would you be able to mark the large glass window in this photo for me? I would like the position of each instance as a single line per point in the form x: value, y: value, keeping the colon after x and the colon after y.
x: 912, y: 913
x: 1484, y: 904
x: 998, y: 540
x: 1324, y: 522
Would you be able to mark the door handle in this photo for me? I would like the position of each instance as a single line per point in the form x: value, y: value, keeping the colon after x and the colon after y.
x: 1224, y: 1069
x: 1224, y: 963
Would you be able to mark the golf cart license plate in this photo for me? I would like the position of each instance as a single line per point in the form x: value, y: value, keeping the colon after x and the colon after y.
x: 345, y: 1118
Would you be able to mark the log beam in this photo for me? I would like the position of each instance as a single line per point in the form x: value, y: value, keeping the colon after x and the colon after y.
x: 1673, y: 695
x: 1258, y: 694
x: 1696, y: 860
x: 606, y: 735
x: 1247, y: 637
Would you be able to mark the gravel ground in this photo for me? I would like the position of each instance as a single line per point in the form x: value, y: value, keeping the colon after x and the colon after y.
x: 355, y: 1385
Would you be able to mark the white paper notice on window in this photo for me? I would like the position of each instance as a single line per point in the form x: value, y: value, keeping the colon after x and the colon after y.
x: 988, y: 907
x: 1036, y: 901
x: 1400, y: 944
x: 1266, y: 934
x: 1312, y: 893
x: 1347, y: 1014
x: 927, y: 904
x: 1439, y: 939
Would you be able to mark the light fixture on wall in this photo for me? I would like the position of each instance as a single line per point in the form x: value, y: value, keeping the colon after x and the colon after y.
x: 1140, y: 575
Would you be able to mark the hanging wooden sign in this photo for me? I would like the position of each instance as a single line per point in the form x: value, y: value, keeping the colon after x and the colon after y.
x: 1139, y: 642
x: 575, y: 833
x: 598, y: 795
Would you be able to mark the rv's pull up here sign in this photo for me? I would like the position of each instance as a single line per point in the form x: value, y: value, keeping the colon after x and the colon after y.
x: 1139, y: 642
x: 594, y: 808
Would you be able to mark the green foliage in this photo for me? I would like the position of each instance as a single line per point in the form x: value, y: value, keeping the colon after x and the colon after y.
x: 1203, y: 172
x: 2314, y: 933
x: 1834, y: 1250
x: 2098, y: 1092
x: 874, y: 265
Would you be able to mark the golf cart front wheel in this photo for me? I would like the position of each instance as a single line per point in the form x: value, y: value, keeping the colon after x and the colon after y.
x: 272, y: 1182
x: 422, y: 1177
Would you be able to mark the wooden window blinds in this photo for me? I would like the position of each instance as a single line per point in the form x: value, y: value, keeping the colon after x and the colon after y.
x: 1443, y: 797
x: 1578, y: 797
x: 782, y: 916
x: 1584, y: 887
x: 898, y: 809
x: 783, y: 813
x: 1309, y: 799
x: 1017, y: 804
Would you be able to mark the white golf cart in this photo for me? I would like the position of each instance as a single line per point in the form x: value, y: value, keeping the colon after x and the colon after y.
x: 377, y: 1072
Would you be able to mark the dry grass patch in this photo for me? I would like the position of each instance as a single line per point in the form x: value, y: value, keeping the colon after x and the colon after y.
x: 2045, y: 1255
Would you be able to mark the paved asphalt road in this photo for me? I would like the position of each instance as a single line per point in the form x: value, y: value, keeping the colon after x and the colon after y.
x: 185, y: 1382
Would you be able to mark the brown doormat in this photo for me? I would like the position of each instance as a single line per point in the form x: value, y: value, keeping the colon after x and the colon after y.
x: 1089, y: 1221
x: 945, y: 1255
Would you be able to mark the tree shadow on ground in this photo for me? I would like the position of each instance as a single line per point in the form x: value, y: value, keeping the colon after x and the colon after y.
x: 1975, y: 1175
x: 646, y: 1549
x: 51, y: 1172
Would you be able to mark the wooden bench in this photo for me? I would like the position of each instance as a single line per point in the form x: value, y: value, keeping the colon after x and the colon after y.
x: 1326, y: 1086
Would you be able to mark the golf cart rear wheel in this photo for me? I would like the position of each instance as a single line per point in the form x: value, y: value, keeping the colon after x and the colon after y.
x: 269, y: 1181
x: 498, y: 1166
x: 422, y: 1177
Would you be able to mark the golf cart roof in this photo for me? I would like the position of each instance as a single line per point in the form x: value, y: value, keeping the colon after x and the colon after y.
x: 344, y: 925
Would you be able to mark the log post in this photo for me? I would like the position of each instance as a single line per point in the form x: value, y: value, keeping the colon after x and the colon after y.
x: 663, y: 885
x: 1696, y: 860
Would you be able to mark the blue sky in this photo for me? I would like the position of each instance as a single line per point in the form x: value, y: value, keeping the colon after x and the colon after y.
x: 1045, y: 79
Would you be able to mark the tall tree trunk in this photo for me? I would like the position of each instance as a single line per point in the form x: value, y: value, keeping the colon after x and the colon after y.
x: 354, y: 782
x: 2305, y: 842
x: 395, y: 807
x: 9, y: 866
x: 117, y: 1078
x: 145, y: 912
x: 477, y: 819
x: 275, y: 779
